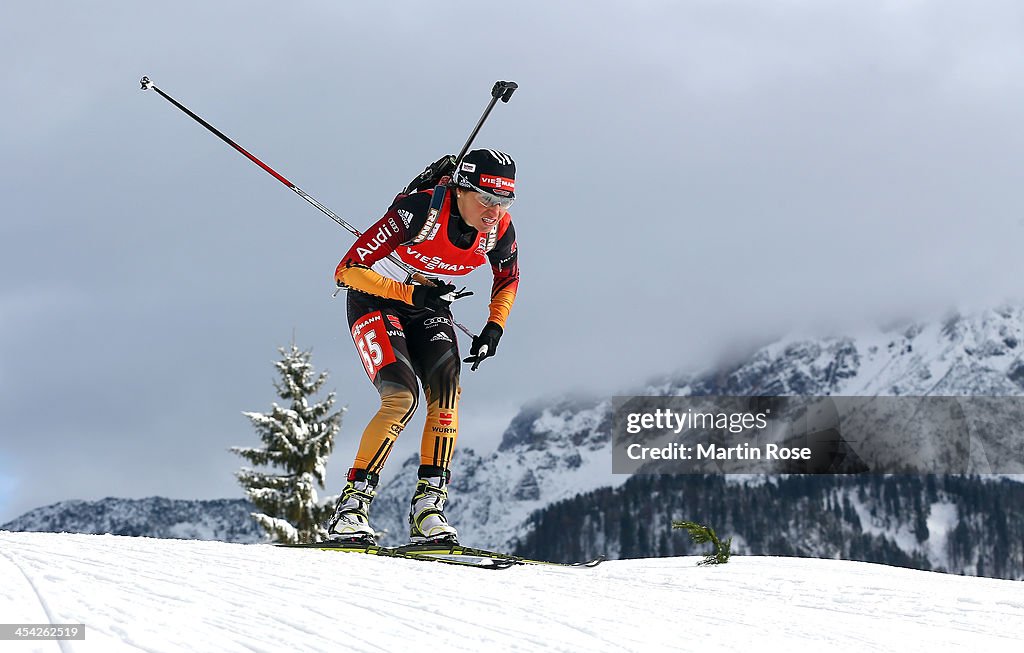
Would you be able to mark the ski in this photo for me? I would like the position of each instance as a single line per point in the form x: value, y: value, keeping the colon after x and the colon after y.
x: 459, y: 550
x: 446, y: 553
x: 464, y: 560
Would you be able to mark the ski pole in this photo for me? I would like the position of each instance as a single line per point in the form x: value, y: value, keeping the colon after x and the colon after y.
x: 500, y: 90
x: 147, y: 85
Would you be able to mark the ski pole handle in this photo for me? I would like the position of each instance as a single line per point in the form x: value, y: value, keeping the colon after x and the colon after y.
x: 481, y: 354
x: 504, y: 90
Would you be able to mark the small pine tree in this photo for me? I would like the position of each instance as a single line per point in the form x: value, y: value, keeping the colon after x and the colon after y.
x: 297, y: 438
x: 701, y: 534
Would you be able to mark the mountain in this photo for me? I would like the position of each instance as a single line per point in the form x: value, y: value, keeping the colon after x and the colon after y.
x: 553, y: 451
x: 142, y: 594
x: 226, y: 520
x: 977, y: 355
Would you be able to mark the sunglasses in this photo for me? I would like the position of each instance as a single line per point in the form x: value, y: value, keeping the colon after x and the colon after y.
x: 489, y: 200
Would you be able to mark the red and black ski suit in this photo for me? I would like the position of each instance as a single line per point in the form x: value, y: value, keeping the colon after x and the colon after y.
x: 399, y: 342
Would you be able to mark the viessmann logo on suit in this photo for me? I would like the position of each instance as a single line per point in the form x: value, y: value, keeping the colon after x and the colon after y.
x: 432, y: 263
x: 360, y: 326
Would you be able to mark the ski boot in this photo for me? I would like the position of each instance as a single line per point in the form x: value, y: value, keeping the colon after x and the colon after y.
x: 427, y: 523
x: 351, y: 520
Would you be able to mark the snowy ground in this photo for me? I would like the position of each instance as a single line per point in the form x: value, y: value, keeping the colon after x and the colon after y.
x: 140, y: 594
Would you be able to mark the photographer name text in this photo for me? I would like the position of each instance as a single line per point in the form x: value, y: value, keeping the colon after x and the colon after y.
x: 712, y: 451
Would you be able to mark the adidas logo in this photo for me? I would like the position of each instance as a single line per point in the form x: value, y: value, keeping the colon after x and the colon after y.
x: 441, y: 336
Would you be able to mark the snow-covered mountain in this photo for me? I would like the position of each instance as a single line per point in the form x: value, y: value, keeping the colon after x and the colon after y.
x: 141, y: 594
x: 226, y: 520
x: 959, y: 356
x: 554, y: 450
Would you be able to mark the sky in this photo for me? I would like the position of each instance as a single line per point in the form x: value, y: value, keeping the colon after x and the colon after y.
x: 694, y: 178
x: 188, y: 595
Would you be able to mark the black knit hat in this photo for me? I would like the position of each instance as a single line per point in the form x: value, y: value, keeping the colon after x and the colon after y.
x: 488, y: 171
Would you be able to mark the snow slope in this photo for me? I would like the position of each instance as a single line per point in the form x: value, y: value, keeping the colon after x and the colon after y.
x: 141, y: 594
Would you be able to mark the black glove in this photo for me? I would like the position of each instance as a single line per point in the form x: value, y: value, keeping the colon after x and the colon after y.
x: 484, y: 345
x: 437, y: 298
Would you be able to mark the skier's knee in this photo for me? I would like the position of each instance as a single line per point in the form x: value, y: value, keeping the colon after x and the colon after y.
x: 399, y: 402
